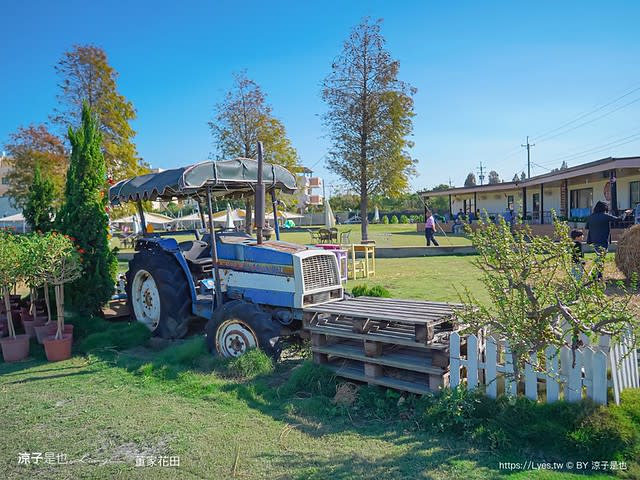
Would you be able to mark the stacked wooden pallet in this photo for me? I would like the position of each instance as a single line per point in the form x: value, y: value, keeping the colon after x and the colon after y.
x: 401, y: 344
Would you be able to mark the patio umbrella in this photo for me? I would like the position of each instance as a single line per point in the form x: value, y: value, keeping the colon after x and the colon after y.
x: 329, y: 219
x: 229, y: 225
x: 376, y: 216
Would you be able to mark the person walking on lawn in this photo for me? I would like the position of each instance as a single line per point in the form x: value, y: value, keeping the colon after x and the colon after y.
x: 599, y: 226
x: 430, y: 229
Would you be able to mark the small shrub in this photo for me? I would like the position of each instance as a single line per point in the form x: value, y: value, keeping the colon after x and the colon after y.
x: 189, y: 354
x: 394, y: 220
x: 454, y: 411
x: 404, y: 219
x: 385, y: 220
x: 95, y: 333
x: 311, y: 379
x: 252, y: 364
x: 611, y: 432
x: 363, y: 290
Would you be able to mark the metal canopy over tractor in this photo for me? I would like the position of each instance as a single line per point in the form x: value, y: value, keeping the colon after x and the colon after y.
x: 225, y: 177
x: 252, y: 292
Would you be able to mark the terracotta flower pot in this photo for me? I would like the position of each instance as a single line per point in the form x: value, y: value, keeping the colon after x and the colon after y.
x: 58, y: 349
x: 29, y: 326
x: 44, y: 331
x: 15, y: 349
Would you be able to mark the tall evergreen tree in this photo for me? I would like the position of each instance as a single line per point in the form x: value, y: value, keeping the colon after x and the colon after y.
x: 38, y: 211
x: 83, y: 217
x: 87, y: 76
x: 369, y: 118
x: 493, y: 177
x: 470, y: 181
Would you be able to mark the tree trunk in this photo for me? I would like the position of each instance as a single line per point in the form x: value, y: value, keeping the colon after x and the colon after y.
x: 364, y: 214
x: 47, y: 301
x: 60, y: 309
x: 7, y: 305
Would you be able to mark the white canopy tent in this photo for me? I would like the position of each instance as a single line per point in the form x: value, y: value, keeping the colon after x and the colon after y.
x: 329, y: 219
x: 157, y: 220
x: 15, y: 222
x: 376, y: 216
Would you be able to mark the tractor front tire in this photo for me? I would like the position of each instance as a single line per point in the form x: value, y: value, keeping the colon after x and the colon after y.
x: 238, y: 326
x: 158, y: 294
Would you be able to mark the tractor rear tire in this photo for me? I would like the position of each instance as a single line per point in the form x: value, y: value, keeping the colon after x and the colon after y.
x: 238, y: 326
x: 158, y: 294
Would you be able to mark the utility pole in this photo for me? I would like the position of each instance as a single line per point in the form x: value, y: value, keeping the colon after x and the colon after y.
x: 528, y: 147
x: 450, y: 184
x: 481, y: 171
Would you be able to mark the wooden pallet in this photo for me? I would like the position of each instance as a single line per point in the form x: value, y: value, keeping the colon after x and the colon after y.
x: 388, y: 342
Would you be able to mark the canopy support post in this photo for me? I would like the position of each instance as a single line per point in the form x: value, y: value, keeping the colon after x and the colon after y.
x: 214, y: 253
x: 143, y: 221
x: 274, y: 202
x: 260, y: 196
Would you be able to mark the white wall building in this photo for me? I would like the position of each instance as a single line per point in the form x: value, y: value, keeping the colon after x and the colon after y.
x: 570, y: 193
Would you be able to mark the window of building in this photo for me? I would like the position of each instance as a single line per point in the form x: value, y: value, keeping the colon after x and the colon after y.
x: 582, y: 198
x: 536, y: 202
x: 510, y: 201
x: 635, y: 193
x: 5, y: 180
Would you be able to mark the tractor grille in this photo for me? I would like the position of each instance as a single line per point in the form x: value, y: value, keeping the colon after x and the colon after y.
x: 320, y: 271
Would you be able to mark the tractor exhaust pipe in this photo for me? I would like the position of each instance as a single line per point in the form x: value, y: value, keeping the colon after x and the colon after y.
x: 260, y: 196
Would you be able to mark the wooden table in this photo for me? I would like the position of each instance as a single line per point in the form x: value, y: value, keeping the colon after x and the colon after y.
x: 368, y: 250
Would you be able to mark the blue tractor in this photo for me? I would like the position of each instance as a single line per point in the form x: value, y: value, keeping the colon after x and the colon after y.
x: 250, y: 291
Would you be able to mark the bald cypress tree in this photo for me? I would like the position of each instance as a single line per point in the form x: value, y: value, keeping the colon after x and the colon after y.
x: 83, y: 217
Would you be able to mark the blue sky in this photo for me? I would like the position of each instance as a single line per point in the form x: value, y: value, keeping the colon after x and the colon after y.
x: 487, y: 73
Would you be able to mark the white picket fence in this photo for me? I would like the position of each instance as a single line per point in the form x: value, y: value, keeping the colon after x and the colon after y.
x: 488, y: 361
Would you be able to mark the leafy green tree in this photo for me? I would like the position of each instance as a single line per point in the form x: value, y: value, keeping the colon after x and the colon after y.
x: 84, y: 219
x: 369, y: 118
x: 28, y: 147
x: 243, y: 119
x: 38, y: 211
x: 538, y: 298
x: 439, y: 204
x: 86, y: 76
x: 493, y: 177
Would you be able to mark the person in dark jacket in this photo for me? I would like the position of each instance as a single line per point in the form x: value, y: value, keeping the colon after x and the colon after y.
x: 599, y: 226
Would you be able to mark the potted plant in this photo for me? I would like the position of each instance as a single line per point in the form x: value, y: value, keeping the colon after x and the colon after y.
x: 34, y: 267
x: 36, y: 278
x: 63, y: 266
x: 14, y: 347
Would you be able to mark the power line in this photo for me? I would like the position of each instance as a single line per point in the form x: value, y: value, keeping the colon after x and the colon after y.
x: 590, y: 121
x: 545, y: 133
x: 608, y: 146
x: 613, y: 138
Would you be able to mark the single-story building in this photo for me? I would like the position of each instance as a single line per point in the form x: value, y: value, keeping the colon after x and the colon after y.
x: 570, y: 193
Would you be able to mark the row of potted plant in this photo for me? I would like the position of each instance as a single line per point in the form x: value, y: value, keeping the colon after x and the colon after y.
x: 41, y: 262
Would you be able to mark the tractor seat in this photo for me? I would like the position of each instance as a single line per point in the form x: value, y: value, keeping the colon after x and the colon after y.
x: 196, y: 253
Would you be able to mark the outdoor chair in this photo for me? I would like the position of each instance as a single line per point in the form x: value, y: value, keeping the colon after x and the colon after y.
x: 345, y: 237
x: 315, y: 236
x: 333, y: 232
x: 325, y: 235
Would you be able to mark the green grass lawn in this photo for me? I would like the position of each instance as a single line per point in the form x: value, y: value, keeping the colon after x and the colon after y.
x: 384, y: 235
x: 112, y: 403
x: 440, y: 279
x: 105, y: 410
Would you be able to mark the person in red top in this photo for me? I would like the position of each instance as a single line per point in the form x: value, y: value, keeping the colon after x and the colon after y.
x: 430, y: 229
